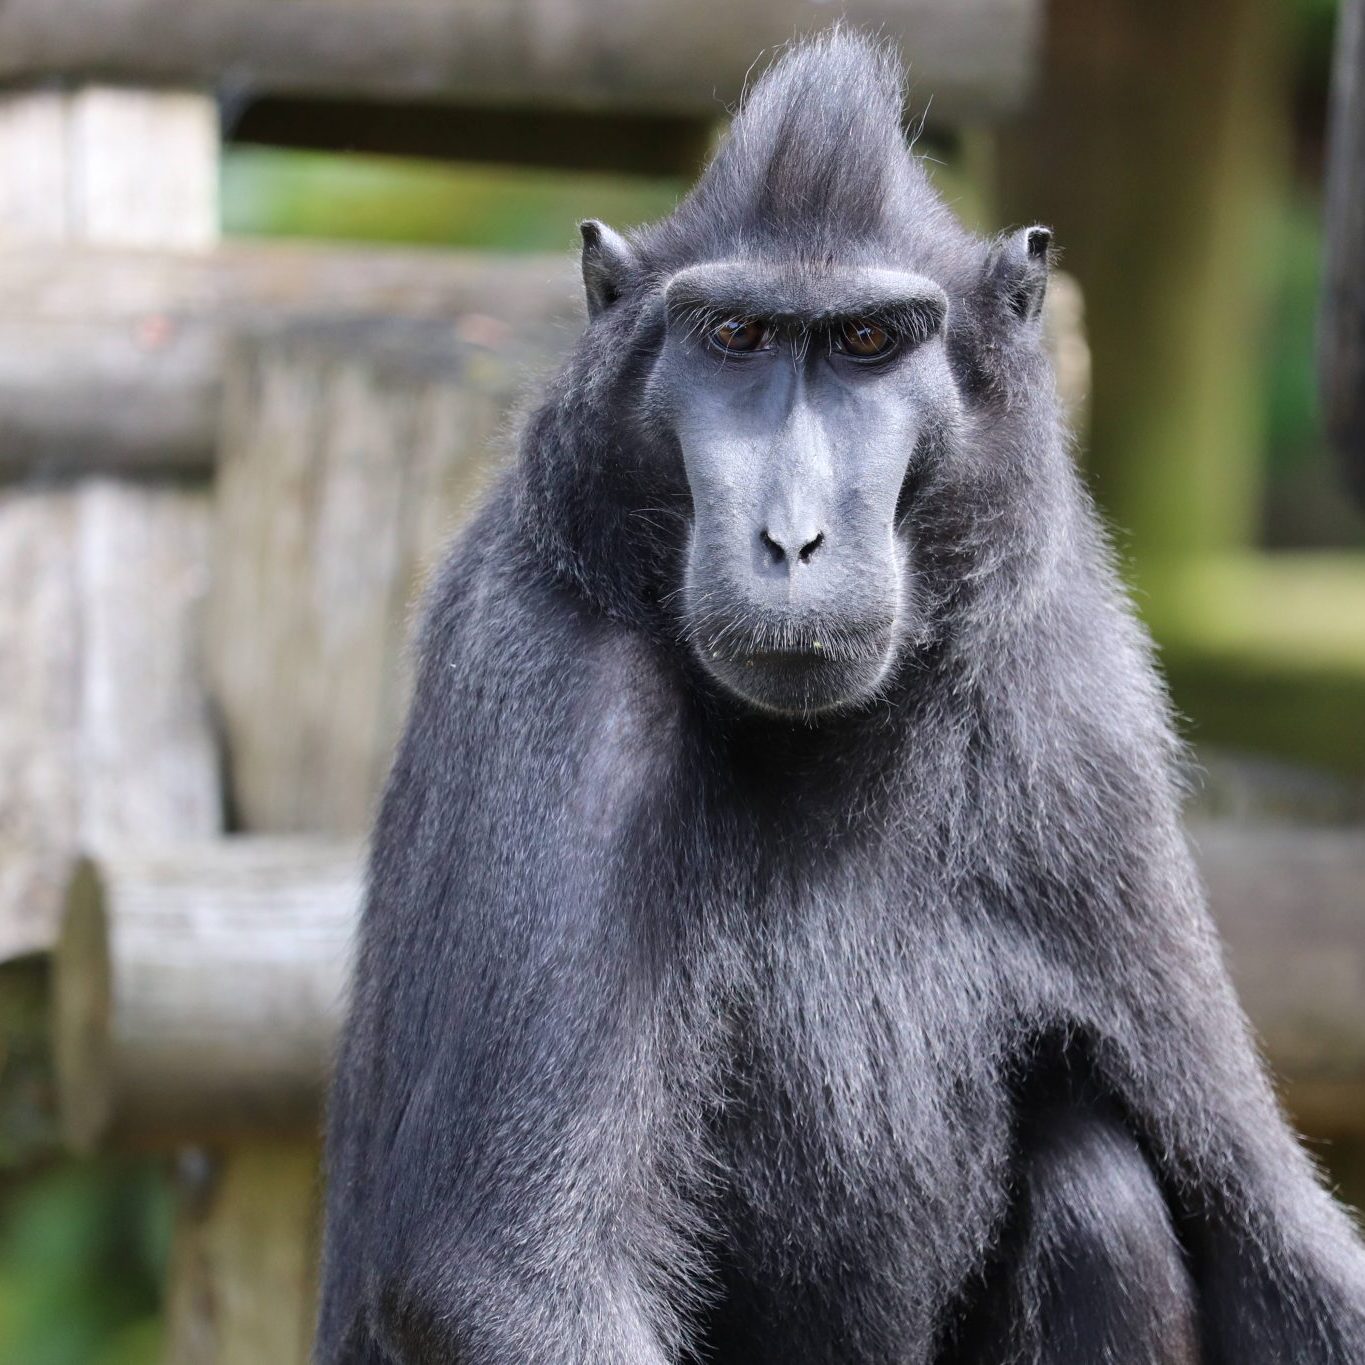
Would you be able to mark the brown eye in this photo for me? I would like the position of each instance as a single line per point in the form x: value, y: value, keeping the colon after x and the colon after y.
x: 865, y: 340
x: 739, y: 334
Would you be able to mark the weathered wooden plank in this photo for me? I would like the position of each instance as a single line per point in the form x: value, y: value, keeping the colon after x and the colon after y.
x: 105, y: 715
x: 1342, y: 337
x: 39, y: 713
x: 33, y: 192
x: 114, y: 360
x: 103, y: 724
x: 98, y: 164
x: 973, y: 56
x: 349, y: 452
x: 223, y: 968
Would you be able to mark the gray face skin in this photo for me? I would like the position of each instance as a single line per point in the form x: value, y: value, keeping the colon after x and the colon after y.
x: 801, y: 401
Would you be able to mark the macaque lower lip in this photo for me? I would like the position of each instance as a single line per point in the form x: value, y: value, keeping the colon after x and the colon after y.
x: 799, y: 683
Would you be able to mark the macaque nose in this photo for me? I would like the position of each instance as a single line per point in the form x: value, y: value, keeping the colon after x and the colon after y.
x: 785, y: 547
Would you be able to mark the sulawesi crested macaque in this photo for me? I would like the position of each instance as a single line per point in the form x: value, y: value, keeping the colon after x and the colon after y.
x: 781, y: 945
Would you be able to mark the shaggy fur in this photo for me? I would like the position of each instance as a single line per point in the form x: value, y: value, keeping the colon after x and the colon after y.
x: 896, y: 1033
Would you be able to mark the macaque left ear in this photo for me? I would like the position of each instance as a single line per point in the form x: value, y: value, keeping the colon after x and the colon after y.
x: 608, y: 264
x: 1018, y: 268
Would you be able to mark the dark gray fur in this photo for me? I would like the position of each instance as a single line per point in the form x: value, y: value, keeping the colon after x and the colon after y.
x: 888, y: 1029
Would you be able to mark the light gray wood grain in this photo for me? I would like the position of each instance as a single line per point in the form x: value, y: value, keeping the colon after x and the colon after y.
x: 972, y: 56
x: 39, y: 713
x: 114, y: 359
x: 349, y: 454
x: 104, y: 164
x: 33, y: 194
x: 197, y: 989
x: 104, y: 730
x: 104, y: 726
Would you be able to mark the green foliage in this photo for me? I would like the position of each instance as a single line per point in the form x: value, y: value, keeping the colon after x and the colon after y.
x: 375, y: 198
x: 1311, y: 26
x: 82, y: 1253
x: 26, y: 1103
x: 1267, y: 652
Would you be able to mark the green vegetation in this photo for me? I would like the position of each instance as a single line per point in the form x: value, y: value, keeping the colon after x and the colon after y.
x: 386, y: 199
x: 82, y: 1253
x: 1267, y: 652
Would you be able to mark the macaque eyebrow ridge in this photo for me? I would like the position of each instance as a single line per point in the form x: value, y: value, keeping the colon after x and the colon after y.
x: 788, y: 295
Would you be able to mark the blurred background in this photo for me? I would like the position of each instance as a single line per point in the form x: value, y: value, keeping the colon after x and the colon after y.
x: 273, y: 279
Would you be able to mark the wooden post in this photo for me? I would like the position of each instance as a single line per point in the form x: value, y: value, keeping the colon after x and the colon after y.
x: 243, y: 1277
x: 349, y: 452
x: 102, y: 727
x: 116, y: 166
x: 102, y: 723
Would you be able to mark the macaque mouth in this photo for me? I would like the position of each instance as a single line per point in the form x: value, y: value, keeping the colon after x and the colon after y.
x: 798, y: 670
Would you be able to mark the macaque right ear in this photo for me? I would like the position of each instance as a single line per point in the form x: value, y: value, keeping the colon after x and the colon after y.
x: 1018, y: 269
x: 608, y: 263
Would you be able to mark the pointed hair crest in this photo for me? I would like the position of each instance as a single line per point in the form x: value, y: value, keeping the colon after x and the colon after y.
x: 816, y: 160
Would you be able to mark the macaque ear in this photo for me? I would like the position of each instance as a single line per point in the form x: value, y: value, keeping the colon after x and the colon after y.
x: 1018, y: 268
x: 608, y: 263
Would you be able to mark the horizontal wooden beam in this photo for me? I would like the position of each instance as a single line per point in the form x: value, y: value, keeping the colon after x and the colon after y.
x: 199, y: 989
x: 974, y: 57
x: 114, y: 359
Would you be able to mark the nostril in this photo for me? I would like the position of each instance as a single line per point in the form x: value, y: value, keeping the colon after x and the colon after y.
x: 775, y: 551
x: 810, y: 547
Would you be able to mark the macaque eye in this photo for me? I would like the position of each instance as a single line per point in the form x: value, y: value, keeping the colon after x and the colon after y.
x: 864, y: 340
x: 738, y: 335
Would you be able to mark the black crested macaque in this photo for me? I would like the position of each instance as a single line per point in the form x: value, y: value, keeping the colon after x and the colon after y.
x: 781, y: 945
